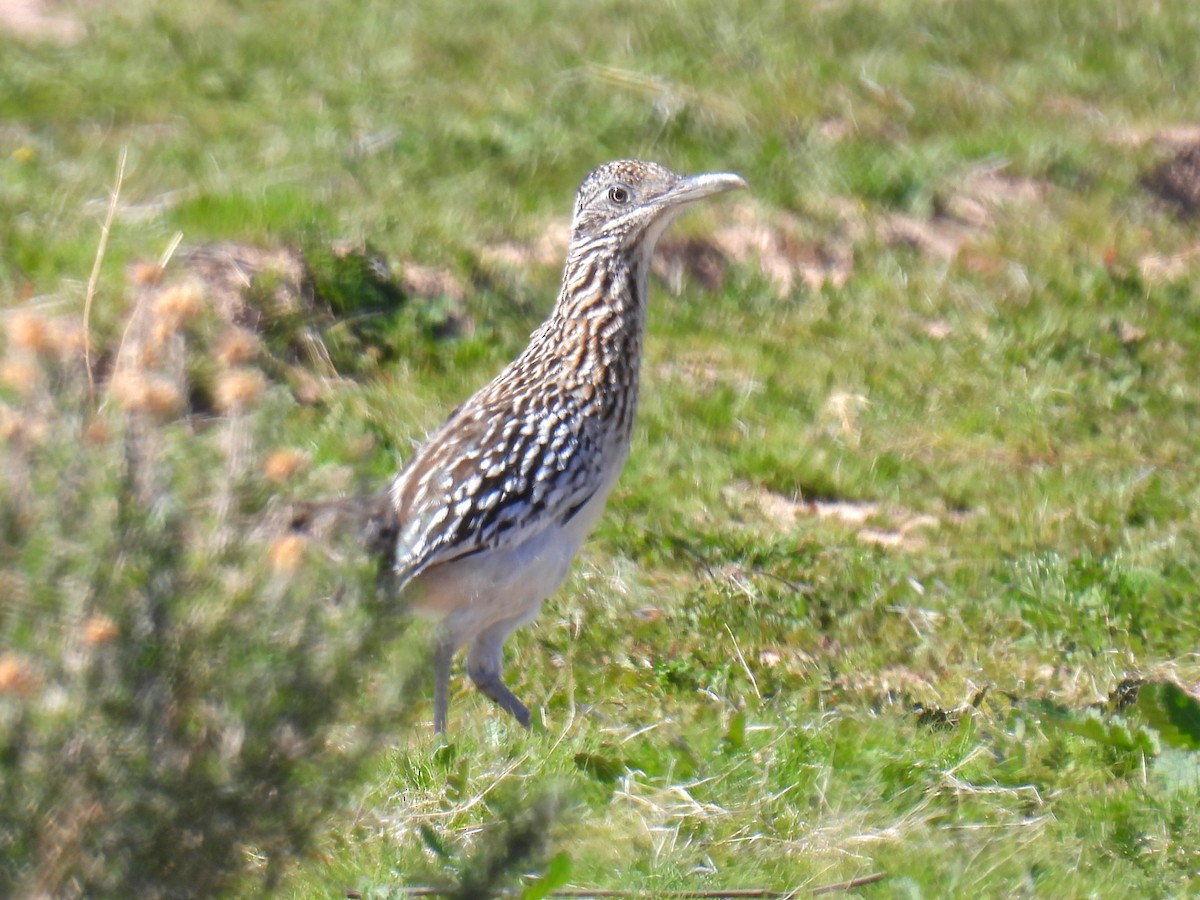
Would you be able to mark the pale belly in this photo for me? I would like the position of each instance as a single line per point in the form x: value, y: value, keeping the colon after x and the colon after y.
x: 476, y: 591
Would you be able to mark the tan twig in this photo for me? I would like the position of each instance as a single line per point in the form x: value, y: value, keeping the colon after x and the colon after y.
x: 176, y: 240
x: 717, y: 894
x: 95, y: 276
x: 849, y: 885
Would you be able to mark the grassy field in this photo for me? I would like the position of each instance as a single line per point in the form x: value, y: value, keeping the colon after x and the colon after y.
x: 899, y: 592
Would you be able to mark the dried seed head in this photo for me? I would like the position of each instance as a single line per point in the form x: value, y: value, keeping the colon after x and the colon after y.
x: 10, y: 423
x: 305, y: 388
x: 239, y: 389
x: 138, y: 392
x: 17, y: 676
x: 145, y: 273
x: 173, y: 307
x: 179, y: 303
x: 26, y: 330
x: 99, y: 629
x: 236, y: 346
x: 97, y: 432
x: 19, y: 374
x: 67, y: 338
x: 29, y: 429
x: 149, y: 353
x: 282, y: 465
x: 286, y: 553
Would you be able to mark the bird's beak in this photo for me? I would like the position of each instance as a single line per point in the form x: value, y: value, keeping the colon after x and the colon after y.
x: 697, y: 187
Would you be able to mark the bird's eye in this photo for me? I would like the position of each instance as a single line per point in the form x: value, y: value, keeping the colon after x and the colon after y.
x: 618, y: 195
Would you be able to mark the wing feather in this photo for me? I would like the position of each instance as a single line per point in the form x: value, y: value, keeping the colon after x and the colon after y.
x: 505, y: 465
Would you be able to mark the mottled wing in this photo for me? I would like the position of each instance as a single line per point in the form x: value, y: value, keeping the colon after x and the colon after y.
x: 505, y: 464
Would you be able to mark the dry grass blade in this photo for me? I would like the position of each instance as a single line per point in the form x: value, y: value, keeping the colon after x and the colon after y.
x: 742, y: 660
x: 669, y: 98
x: 95, y: 276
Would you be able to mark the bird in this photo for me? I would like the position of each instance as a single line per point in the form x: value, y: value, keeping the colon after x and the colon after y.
x: 486, y: 517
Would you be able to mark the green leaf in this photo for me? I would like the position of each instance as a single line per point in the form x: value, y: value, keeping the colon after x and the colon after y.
x: 434, y: 842
x: 458, y: 780
x: 554, y: 876
x: 1173, y: 712
x: 445, y: 754
x: 1111, y: 732
x: 735, y: 736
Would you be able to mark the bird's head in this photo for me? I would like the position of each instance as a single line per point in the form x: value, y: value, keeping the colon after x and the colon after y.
x: 632, y: 202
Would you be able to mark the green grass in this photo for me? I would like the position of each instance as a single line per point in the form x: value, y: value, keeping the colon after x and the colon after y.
x: 735, y: 691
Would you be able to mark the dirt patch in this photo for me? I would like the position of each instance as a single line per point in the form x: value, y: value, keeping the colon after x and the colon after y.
x: 785, y: 253
x: 431, y: 283
x: 939, y: 237
x: 1177, y: 181
x: 905, y: 534
x: 548, y: 248
x: 963, y: 216
x: 1156, y: 268
x: 1177, y: 136
x: 42, y: 20
x: 985, y: 192
x: 772, y: 239
x: 874, y: 524
x: 783, y: 246
x: 695, y: 260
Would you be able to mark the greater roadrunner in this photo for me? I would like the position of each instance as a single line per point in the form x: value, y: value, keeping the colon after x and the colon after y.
x: 493, y: 507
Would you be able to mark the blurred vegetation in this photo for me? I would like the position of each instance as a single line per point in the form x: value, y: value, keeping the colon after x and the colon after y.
x: 184, y: 688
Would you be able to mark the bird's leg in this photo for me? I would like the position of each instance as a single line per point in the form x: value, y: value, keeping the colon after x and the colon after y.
x: 443, y: 655
x: 484, y: 665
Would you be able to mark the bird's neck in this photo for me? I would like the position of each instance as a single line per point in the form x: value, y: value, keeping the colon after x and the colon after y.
x: 597, y: 324
x: 602, y: 283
